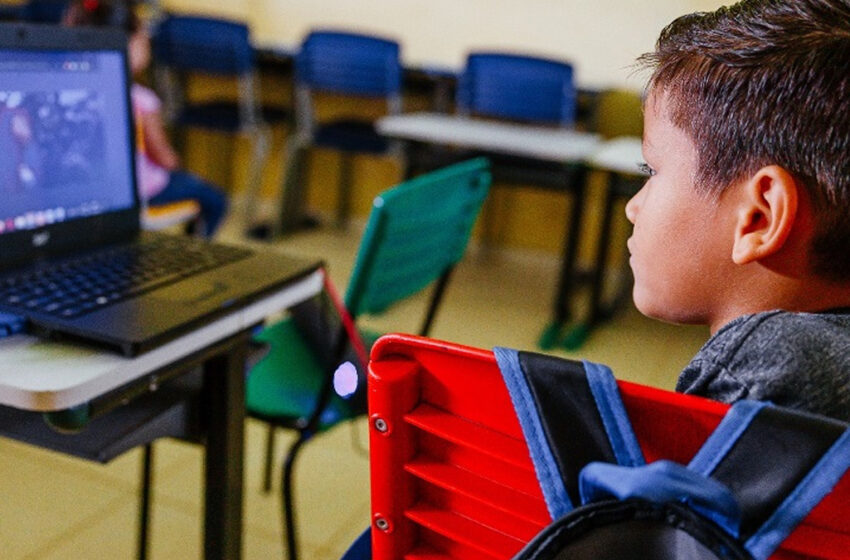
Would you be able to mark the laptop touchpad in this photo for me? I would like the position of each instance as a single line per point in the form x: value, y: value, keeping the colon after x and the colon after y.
x: 193, y: 292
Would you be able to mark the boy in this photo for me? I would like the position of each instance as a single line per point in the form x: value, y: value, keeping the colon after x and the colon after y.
x: 744, y: 223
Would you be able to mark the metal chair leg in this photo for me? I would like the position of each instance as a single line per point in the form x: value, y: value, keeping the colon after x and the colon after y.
x: 346, y: 172
x: 291, y: 211
x: 145, y: 501
x: 261, y: 140
x: 600, y: 272
x: 267, y: 466
x: 288, y: 501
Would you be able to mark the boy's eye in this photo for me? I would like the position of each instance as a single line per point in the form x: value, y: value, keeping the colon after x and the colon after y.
x: 645, y: 169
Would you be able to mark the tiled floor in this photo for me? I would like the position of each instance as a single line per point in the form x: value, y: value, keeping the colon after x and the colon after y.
x: 55, y: 507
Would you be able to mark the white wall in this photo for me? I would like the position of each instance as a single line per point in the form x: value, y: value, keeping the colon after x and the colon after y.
x: 601, y: 37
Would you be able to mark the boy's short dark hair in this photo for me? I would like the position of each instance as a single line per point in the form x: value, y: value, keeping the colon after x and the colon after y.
x: 767, y: 82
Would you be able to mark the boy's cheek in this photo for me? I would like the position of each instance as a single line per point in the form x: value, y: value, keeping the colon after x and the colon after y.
x: 652, y: 295
x: 642, y: 301
x: 639, y: 287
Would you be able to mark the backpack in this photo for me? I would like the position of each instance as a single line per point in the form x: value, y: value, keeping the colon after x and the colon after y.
x: 759, y: 474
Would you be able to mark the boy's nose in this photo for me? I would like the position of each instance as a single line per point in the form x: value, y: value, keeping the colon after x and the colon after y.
x: 632, y: 207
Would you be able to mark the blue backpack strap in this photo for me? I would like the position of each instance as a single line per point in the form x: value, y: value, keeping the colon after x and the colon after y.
x: 725, y: 436
x: 545, y: 464
x: 621, y: 435
x: 819, y: 482
x: 777, y: 483
x: 662, y: 482
x: 665, y: 481
x: 571, y: 414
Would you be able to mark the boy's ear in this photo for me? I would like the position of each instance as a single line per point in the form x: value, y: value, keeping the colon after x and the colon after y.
x: 767, y: 210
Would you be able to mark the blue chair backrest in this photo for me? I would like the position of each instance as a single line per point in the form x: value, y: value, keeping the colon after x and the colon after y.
x: 349, y: 63
x: 518, y: 87
x: 203, y: 44
x: 43, y: 11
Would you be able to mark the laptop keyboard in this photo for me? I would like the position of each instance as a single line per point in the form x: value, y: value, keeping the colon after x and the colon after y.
x: 75, y: 287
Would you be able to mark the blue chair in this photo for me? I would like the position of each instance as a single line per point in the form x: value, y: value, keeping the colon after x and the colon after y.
x: 184, y: 45
x: 540, y: 91
x: 340, y: 63
x: 42, y: 11
x: 523, y: 89
x: 517, y: 87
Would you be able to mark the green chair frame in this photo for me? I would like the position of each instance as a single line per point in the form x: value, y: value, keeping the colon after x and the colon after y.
x: 416, y: 233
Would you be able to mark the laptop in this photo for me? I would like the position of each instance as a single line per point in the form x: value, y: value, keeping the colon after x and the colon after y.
x: 70, y: 212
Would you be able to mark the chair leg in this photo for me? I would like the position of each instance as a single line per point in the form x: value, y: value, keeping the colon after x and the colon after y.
x: 251, y: 194
x: 436, y: 298
x: 600, y: 272
x: 267, y: 466
x: 291, y: 211
x: 287, y: 498
x: 145, y: 501
x: 343, y: 207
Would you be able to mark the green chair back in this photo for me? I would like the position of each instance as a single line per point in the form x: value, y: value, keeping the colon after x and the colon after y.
x: 416, y: 232
x: 415, y: 235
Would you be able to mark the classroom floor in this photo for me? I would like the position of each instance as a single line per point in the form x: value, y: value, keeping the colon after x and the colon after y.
x: 54, y: 507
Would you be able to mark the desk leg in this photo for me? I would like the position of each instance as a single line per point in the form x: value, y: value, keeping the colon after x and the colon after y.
x: 576, y: 178
x: 224, y: 394
x: 618, y: 187
x: 416, y: 159
x: 599, y: 274
x: 408, y: 154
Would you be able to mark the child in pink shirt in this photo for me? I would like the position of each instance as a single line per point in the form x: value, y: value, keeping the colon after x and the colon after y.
x: 160, y: 179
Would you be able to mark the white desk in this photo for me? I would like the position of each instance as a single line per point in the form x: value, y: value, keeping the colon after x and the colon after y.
x: 618, y: 155
x: 44, y: 376
x: 582, y: 150
x: 535, y: 142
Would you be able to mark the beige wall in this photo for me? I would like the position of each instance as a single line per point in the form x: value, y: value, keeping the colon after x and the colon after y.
x: 601, y: 37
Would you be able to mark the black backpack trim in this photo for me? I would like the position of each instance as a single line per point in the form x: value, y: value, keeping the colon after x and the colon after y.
x: 651, y: 517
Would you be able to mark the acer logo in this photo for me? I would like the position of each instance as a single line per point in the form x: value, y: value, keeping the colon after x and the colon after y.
x: 40, y: 239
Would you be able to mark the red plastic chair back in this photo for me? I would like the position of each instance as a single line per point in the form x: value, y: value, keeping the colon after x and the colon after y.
x: 451, y: 473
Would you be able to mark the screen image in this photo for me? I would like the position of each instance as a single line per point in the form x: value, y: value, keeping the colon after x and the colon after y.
x: 65, y: 138
x: 52, y: 140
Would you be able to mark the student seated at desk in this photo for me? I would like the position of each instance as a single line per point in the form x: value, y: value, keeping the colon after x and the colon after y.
x: 743, y: 224
x: 161, y: 181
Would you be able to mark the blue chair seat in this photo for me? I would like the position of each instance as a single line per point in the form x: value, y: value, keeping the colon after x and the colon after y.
x: 542, y: 174
x: 41, y: 11
x: 224, y: 116
x: 351, y: 136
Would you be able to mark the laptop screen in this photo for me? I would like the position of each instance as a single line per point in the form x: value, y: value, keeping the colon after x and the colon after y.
x: 64, y: 148
x: 67, y: 177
